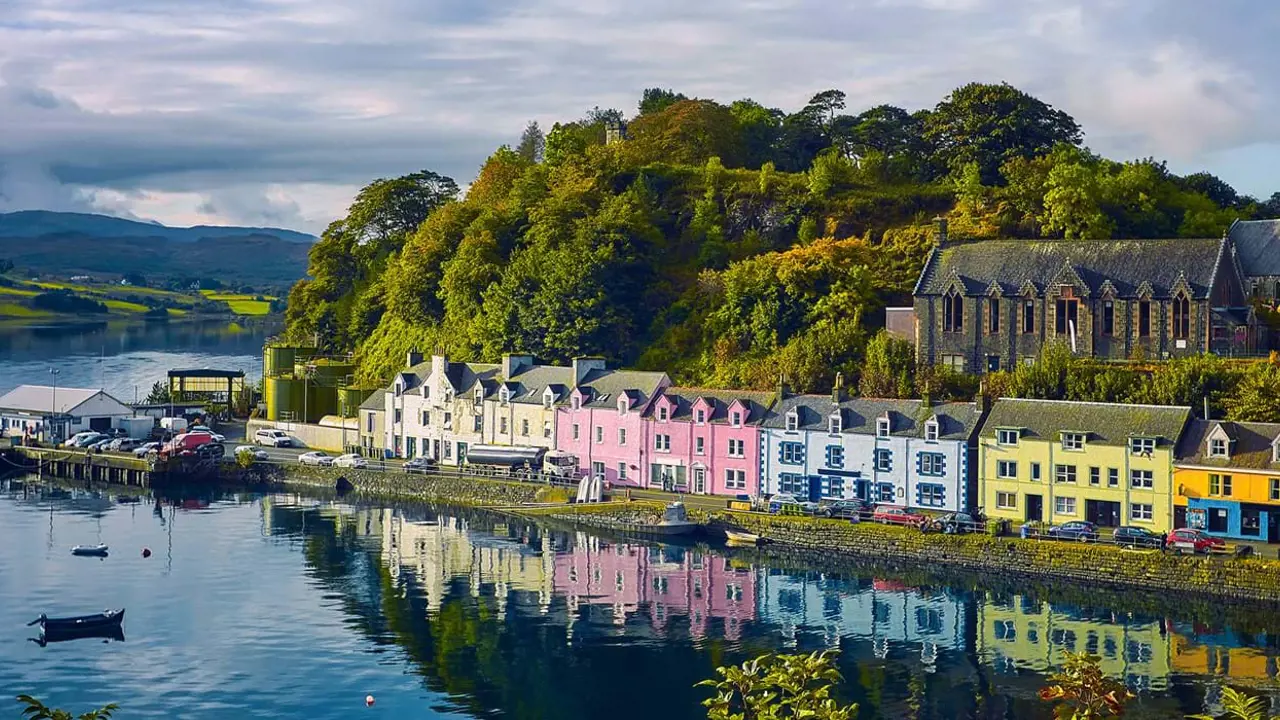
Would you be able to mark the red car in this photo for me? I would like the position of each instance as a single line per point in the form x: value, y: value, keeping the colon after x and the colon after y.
x: 1197, y: 541
x: 186, y: 444
x: 897, y: 515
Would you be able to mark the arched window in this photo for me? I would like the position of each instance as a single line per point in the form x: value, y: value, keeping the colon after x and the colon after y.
x: 952, y: 312
x: 1181, y: 316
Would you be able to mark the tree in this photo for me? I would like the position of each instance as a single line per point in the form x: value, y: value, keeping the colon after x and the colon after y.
x: 657, y: 99
x: 888, y: 370
x: 1270, y: 208
x: 688, y: 132
x: 133, y: 277
x: 387, y: 210
x: 1080, y: 691
x: 758, y: 127
x: 774, y: 687
x: 532, y: 143
x: 824, y: 106
x: 1254, y: 397
x: 991, y: 124
x: 1212, y: 187
x: 159, y: 394
x: 36, y: 710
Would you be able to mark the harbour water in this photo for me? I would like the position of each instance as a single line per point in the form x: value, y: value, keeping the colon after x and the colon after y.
x: 282, y: 606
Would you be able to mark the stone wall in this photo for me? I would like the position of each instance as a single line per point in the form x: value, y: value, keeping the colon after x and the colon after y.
x: 371, y: 484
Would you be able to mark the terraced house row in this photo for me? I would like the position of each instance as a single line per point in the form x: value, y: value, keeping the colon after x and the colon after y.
x: 1017, y: 459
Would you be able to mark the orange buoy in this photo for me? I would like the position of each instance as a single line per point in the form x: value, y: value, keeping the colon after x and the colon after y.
x: 146, y: 552
x: 368, y: 701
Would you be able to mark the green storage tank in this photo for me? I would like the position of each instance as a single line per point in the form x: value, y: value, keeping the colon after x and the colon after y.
x: 277, y: 361
x: 349, y: 400
x: 284, y: 398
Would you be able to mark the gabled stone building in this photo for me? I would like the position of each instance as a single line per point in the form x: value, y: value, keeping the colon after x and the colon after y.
x: 987, y: 305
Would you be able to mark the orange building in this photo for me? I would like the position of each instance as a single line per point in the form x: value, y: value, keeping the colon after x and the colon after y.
x: 1226, y: 479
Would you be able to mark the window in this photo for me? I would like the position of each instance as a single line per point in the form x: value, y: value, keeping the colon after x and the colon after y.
x: 546, y: 428
x: 622, y: 436
x: 502, y: 425
x: 504, y: 395
x: 576, y: 403
x: 737, y: 448
x: 1250, y: 521
x: 1275, y: 488
x: 368, y: 422
x: 1220, y: 485
x: 1142, y: 446
x: 1064, y: 505
x: 478, y: 396
x: 662, y: 443
x: 597, y: 469
x: 791, y: 453
x: 662, y: 414
x: 396, y: 416
x: 1072, y: 441
x: 622, y: 405
x: 576, y: 434
x: 448, y: 395
x: 1218, y: 447
x: 1141, y: 512
x: 884, y: 492
x: 735, y: 479
x: 448, y: 421
x: 834, y: 424
x: 931, y: 431
x: 932, y: 495
x: 399, y: 389
x: 884, y: 460
x: 426, y: 417
x: 1028, y: 316
x: 1181, y: 317
x: 1035, y: 472
x: 1007, y: 500
x: 1006, y: 437
x: 833, y: 487
x: 735, y: 419
x: 599, y: 434
x: 477, y: 424
x: 1095, y: 476
x: 993, y: 316
x: 524, y: 428
x: 698, y: 446
x: 933, y: 464
x: 700, y: 416
x: 1113, y: 477
x: 622, y: 472
x: 448, y: 450
x: 794, y: 484
x: 1066, y: 316
x: 1144, y: 318
x: 1141, y: 479
x: 548, y: 398
x: 882, y: 427
x: 1007, y: 469
x: 793, y: 421
x: 952, y: 312
x: 1108, y: 318
x: 1064, y: 473
x: 835, y: 456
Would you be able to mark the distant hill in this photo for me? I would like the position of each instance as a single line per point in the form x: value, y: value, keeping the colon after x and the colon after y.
x: 37, y: 223
x: 67, y: 244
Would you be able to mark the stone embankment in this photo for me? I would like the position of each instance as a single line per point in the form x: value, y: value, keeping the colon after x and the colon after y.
x: 394, y: 486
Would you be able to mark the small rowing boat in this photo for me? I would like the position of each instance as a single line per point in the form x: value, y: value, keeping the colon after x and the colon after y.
x: 53, y: 635
x: 738, y: 537
x: 90, y: 550
x: 104, y: 620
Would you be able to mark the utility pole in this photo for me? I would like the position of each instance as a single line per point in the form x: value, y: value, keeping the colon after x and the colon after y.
x: 54, y: 434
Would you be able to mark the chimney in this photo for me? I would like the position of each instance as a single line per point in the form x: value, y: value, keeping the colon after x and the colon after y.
x: 926, y: 397
x: 940, y: 230
x: 439, y: 365
x: 1206, y: 407
x: 836, y: 390
x: 512, y: 364
x: 414, y: 358
x: 984, y: 400
x: 582, y: 366
x: 782, y: 387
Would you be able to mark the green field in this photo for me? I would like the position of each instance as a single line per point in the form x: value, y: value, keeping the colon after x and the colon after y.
x: 121, y: 300
x: 14, y: 310
x: 241, y: 304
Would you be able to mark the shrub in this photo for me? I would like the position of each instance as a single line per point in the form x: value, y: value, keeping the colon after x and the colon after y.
x: 773, y: 687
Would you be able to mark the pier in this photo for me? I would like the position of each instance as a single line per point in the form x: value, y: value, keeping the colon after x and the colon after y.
x: 78, y: 465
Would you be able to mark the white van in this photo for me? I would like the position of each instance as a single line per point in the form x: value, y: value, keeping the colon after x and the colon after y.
x: 272, y: 438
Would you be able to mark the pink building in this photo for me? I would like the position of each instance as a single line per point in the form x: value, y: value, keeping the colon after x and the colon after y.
x: 603, y: 424
x: 706, y: 441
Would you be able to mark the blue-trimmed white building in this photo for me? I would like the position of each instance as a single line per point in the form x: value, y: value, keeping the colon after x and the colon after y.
x: 900, y: 452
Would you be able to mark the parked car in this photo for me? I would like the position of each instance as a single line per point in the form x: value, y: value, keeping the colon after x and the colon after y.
x: 897, y: 515
x: 419, y: 465
x: 272, y: 438
x: 1130, y: 536
x: 206, y: 431
x: 258, y: 453
x: 100, y: 444
x: 350, y: 460
x: 1081, y: 530
x: 124, y: 444
x: 147, y: 448
x: 1197, y: 541
x: 189, y: 444
x: 957, y: 523
x: 84, y: 439
x: 315, y: 457
x: 851, y: 509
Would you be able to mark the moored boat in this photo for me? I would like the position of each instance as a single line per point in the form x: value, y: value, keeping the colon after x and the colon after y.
x: 104, y: 620
x: 90, y: 550
x: 738, y: 537
x: 675, y: 521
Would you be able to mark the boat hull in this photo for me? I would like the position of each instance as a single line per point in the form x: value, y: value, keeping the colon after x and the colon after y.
x: 89, y: 550
x: 83, y: 623
x: 661, y: 530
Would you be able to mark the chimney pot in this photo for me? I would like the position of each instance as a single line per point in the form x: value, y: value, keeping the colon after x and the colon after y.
x: 940, y: 229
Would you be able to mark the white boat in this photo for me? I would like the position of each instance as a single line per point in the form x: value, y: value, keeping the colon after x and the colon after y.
x: 90, y: 550
x: 737, y: 537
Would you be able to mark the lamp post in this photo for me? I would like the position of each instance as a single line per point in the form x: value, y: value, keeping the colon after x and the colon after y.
x: 55, y: 372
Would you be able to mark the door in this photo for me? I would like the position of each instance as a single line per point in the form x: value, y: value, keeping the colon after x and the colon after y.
x: 815, y: 488
x: 1035, y: 508
x: 1273, y: 526
x: 1102, y: 513
x: 100, y: 424
x: 700, y: 481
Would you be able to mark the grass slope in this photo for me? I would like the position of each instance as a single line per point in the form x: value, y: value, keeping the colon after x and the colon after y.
x: 123, y: 300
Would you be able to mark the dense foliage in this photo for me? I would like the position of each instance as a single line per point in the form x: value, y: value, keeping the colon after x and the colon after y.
x: 732, y: 245
x: 65, y: 301
x: 777, y: 687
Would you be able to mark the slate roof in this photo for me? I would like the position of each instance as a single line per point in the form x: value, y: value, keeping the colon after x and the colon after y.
x: 1010, y: 264
x: 1251, y: 449
x: 956, y: 421
x: 376, y: 401
x: 1103, y: 423
x: 1257, y: 246
x: 605, y: 386
x: 527, y: 384
x: 40, y: 398
x: 758, y: 403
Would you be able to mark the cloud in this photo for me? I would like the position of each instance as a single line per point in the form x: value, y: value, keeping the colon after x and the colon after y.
x: 275, y: 111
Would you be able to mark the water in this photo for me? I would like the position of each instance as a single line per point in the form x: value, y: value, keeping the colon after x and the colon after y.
x: 126, y: 357
x: 288, y: 607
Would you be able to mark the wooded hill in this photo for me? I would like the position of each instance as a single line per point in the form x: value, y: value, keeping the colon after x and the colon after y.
x: 727, y: 245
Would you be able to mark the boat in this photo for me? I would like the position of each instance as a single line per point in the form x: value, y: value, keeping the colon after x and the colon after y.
x: 675, y: 521
x: 739, y: 537
x: 102, y: 632
x: 90, y: 550
x: 103, y: 621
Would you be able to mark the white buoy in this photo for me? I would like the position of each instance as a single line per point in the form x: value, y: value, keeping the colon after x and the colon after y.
x: 368, y: 701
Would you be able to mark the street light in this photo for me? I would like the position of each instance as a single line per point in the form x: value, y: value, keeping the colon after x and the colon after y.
x: 55, y: 372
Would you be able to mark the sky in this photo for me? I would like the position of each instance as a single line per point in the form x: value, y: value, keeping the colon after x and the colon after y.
x: 275, y: 112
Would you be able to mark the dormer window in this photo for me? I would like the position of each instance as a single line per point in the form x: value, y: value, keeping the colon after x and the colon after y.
x: 576, y: 402
x: 1072, y: 441
x: 479, y: 395
x: 931, y: 430
x: 622, y: 405
x: 1142, y: 445
x: 735, y: 419
x: 504, y: 395
x: 834, y: 424
x: 700, y: 416
x: 1275, y: 451
x: 882, y: 427
x: 793, y: 421
x: 662, y: 413
x: 1218, y: 448
x: 548, y: 398
x: 448, y: 395
x: 1006, y: 436
x: 399, y: 388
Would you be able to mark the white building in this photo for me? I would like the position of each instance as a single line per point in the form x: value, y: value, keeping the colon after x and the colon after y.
x: 31, y: 410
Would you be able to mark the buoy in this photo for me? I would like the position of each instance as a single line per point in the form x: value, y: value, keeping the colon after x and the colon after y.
x: 368, y: 701
x: 146, y: 552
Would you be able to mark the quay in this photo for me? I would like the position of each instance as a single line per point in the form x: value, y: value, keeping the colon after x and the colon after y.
x: 78, y: 465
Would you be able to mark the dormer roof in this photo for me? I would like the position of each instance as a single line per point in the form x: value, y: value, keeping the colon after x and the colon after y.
x: 717, y: 403
x: 956, y: 421
x: 1252, y: 444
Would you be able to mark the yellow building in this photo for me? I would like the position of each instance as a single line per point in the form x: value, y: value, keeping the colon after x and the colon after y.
x: 1025, y: 634
x: 1227, y: 479
x: 1055, y: 461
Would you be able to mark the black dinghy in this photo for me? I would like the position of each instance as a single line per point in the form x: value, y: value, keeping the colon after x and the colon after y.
x: 104, y: 620
x: 100, y: 632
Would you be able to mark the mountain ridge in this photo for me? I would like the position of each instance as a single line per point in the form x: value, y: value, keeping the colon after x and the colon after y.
x: 40, y: 223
